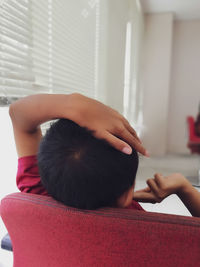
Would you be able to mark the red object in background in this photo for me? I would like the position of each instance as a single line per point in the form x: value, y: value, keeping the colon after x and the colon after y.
x: 197, y: 125
x: 46, y: 233
x: 194, y: 140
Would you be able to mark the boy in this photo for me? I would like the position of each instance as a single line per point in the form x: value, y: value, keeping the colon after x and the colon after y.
x: 81, y: 177
x: 75, y: 166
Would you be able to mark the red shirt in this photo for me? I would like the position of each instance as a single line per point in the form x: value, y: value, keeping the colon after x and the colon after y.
x: 28, y: 179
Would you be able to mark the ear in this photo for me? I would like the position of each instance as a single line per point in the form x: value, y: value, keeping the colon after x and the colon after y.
x: 126, y: 198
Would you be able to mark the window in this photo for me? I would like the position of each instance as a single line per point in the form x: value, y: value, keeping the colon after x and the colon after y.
x: 133, y: 109
x: 48, y: 46
x: 16, y: 72
x: 127, y: 69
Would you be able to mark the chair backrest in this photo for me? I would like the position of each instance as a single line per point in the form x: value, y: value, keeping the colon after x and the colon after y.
x: 191, y: 129
x: 45, y: 233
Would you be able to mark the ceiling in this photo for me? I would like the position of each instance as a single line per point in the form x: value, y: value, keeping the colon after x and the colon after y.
x: 182, y: 9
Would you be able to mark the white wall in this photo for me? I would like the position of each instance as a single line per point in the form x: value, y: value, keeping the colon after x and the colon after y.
x: 114, y: 15
x: 8, y: 155
x: 185, y: 82
x: 156, y: 80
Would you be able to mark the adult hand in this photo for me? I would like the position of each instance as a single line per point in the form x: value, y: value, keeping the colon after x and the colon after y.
x: 106, y: 123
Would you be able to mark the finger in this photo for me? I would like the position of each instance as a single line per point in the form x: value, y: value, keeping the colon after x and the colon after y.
x: 130, y: 139
x: 131, y: 130
x: 117, y: 143
x: 147, y: 189
x: 153, y: 186
x: 159, y: 179
x: 145, y: 197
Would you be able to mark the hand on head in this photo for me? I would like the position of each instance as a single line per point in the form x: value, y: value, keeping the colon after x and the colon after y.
x: 106, y: 123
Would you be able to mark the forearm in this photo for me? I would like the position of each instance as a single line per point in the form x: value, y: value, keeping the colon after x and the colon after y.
x: 29, y: 112
x: 191, y: 199
x: 105, y: 123
x: 161, y: 187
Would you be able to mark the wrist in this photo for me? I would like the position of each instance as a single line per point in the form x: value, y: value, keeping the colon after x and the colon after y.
x: 72, y: 110
x: 185, y: 188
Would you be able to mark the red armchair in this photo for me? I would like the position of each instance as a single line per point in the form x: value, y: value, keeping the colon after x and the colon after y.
x: 194, y: 140
x: 45, y: 233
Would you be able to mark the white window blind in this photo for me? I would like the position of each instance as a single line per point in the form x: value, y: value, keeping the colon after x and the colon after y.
x: 16, y: 73
x: 48, y: 46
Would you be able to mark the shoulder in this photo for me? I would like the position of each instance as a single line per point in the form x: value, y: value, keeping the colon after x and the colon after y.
x: 28, y: 177
x: 135, y: 206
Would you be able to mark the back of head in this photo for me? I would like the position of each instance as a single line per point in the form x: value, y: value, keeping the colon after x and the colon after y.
x: 82, y: 171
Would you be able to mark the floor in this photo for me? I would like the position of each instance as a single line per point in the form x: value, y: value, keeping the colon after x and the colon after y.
x: 188, y: 165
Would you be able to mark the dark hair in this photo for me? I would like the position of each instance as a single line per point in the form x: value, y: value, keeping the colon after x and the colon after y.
x: 82, y: 171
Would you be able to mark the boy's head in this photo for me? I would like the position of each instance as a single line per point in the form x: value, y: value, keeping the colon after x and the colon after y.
x: 82, y: 171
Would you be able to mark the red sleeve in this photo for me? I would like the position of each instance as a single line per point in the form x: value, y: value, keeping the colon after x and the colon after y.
x: 135, y: 206
x: 28, y: 178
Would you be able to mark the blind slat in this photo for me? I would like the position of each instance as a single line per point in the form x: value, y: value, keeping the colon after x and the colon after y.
x: 24, y: 3
x: 18, y: 10
x: 41, y: 70
x: 22, y: 91
x: 16, y: 36
x: 13, y: 66
x: 7, y: 16
x: 16, y: 75
x: 12, y: 12
x: 18, y: 7
x: 14, y: 28
x: 61, y: 59
x: 13, y: 51
x: 14, y: 44
x: 12, y: 59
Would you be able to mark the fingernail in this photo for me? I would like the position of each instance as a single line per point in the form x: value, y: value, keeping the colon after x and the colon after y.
x: 127, y: 150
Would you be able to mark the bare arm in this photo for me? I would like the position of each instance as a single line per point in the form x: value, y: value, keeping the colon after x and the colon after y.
x: 28, y: 113
x: 161, y: 187
x: 191, y: 199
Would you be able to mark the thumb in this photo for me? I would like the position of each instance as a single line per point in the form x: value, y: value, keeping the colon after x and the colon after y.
x: 146, y: 189
x: 145, y: 195
x: 140, y: 194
